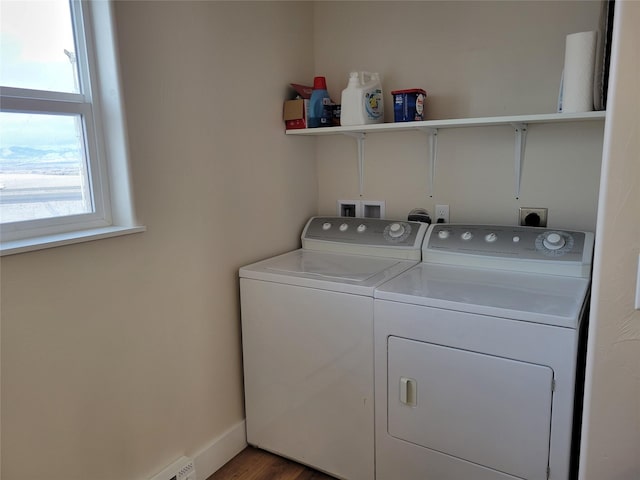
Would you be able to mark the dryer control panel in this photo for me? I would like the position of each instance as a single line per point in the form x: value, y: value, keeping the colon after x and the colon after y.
x: 365, y: 236
x: 528, y: 249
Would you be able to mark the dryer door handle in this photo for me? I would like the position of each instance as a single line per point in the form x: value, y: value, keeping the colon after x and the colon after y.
x: 408, y: 391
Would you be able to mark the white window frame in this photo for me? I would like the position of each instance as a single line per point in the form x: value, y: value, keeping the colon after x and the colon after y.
x: 101, y: 109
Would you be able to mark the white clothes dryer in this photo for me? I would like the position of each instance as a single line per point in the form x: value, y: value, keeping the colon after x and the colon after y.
x: 475, y: 355
x: 307, y: 336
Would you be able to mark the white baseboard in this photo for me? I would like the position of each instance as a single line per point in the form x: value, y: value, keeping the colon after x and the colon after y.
x: 222, y: 449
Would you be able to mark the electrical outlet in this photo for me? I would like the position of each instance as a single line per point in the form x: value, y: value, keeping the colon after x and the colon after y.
x: 442, y: 214
x: 533, y: 217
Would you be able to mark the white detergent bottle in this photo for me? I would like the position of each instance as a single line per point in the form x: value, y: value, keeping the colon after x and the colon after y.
x: 362, y: 102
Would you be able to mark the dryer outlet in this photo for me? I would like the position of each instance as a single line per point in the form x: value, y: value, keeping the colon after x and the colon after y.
x: 533, y: 217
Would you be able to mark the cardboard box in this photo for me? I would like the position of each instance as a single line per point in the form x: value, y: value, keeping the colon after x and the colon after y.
x: 336, y: 111
x: 408, y: 105
x: 295, y: 113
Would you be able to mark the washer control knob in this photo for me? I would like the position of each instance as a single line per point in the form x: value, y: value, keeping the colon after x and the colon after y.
x: 491, y: 237
x: 396, y: 230
x: 516, y: 239
x: 553, y: 241
x: 344, y: 227
x: 326, y: 226
x: 443, y: 234
x: 466, y: 236
x: 361, y: 228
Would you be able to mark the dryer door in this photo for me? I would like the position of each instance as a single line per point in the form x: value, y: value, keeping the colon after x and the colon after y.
x: 488, y: 410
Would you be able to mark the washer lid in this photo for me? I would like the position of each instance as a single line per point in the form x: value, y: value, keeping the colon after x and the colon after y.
x: 357, y: 274
x: 538, y: 298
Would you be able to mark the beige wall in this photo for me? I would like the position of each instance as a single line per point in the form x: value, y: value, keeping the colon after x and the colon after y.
x: 474, y: 59
x: 120, y: 355
x: 611, y: 438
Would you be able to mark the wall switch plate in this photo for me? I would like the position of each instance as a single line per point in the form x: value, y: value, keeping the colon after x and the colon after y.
x: 442, y: 214
x: 532, y: 217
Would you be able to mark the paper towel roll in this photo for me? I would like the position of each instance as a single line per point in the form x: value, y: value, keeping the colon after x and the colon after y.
x: 579, y: 64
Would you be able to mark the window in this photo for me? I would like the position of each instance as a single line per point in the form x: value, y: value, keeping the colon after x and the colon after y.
x: 58, y: 153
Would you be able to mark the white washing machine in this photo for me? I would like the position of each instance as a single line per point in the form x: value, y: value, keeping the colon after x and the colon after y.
x: 475, y: 355
x: 307, y: 337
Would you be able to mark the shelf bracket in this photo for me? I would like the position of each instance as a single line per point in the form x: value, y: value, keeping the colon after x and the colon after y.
x: 360, y: 138
x: 521, y: 141
x: 433, y: 154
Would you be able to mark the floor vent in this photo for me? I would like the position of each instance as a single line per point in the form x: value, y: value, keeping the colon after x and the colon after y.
x: 181, y: 469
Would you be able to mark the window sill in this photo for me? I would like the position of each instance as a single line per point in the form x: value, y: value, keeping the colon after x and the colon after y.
x: 58, y: 240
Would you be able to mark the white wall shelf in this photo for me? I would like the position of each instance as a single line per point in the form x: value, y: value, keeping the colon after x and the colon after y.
x: 454, y: 123
x: 518, y: 122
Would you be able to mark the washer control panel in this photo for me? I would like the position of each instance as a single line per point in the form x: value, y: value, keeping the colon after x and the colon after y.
x: 512, y: 247
x: 365, y: 236
x: 363, y: 231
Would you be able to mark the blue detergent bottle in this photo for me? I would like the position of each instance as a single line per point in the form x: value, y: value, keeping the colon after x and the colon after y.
x: 319, y: 104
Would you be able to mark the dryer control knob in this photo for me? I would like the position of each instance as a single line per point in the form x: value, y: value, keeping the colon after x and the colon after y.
x: 553, y: 241
x: 326, y: 226
x: 361, y: 228
x: 467, y: 236
x: 491, y: 237
x: 396, y: 230
x: 443, y: 234
x: 344, y: 227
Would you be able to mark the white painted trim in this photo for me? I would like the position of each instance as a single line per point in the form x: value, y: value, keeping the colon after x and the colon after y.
x: 222, y: 449
x: 106, y: 139
x: 611, y: 420
x: 61, y: 239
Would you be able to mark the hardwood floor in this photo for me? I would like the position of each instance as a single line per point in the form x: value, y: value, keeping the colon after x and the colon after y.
x: 255, y: 464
